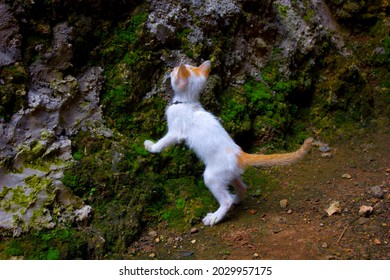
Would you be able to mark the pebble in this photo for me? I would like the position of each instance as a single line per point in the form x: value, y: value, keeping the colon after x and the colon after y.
x: 178, y: 239
x: 194, y: 230
x: 324, y: 245
x: 157, y: 240
x: 252, y: 211
x: 377, y: 192
x: 283, y: 203
x: 365, y: 210
x: 326, y: 155
x: 256, y: 255
x: 377, y: 241
x: 346, y: 176
x: 321, y: 225
x: 333, y: 208
x: 187, y: 254
x: 324, y: 149
x: 193, y: 241
x: 289, y: 211
x: 152, y: 255
x: 276, y: 230
x: 362, y: 221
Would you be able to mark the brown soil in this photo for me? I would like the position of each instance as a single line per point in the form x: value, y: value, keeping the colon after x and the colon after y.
x: 259, y: 228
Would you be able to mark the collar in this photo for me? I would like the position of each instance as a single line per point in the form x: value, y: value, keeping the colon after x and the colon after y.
x: 177, y: 102
x: 182, y: 102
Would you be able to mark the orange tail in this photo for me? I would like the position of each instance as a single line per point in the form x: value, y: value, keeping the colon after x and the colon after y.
x: 245, y: 159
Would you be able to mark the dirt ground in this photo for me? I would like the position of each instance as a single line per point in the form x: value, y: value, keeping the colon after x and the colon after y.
x: 353, y: 173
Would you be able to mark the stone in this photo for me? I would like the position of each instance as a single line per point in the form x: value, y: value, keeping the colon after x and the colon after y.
x: 346, y: 176
x: 194, y: 230
x: 377, y: 241
x: 276, y: 230
x: 187, y: 254
x: 365, y: 210
x: 333, y: 208
x: 252, y: 212
x: 324, y: 149
x: 283, y: 203
x: 377, y: 192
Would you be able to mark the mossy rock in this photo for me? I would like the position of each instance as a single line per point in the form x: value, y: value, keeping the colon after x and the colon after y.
x: 13, y: 90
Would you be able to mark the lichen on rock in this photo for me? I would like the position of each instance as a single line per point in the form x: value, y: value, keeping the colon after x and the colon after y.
x: 35, y: 147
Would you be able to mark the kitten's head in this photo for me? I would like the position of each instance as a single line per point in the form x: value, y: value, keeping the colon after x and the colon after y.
x: 189, y: 80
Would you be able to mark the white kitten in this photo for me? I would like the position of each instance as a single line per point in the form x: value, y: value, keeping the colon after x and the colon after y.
x: 202, y: 132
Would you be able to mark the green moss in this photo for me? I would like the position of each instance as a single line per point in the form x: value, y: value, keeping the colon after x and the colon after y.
x: 13, y: 90
x: 309, y: 13
x: 53, y: 254
x: 260, y: 182
x: 187, y: 202
x: 14, y: 248
x: 46, y: 245
x: 78, y: 155
x: 21, y: 198
x: 234, y: 114
x: 4, y: 192
x: 128, y: 77
x: 191, y: 50
x: 125, y: 36
x: 282, y: 9
x: 258, y: 111
x: 343, y: 98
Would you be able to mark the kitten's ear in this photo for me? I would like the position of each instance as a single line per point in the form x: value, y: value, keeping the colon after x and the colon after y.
x: 182, y: 76
x: 182, y: 72
x: 205, y: 68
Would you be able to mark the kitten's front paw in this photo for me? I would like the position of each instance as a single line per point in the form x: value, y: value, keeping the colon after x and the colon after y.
x: 149, y: 146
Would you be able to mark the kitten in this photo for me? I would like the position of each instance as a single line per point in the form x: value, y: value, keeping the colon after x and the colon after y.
x: 202, y: 132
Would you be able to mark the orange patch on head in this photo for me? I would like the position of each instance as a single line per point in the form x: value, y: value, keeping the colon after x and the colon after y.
x: 202, y: 70
x: 181, y: 76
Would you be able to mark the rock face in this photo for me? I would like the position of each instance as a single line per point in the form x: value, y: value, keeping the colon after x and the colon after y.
x: 10, y: 38
x: 252, y: 31
x: 35, y: 146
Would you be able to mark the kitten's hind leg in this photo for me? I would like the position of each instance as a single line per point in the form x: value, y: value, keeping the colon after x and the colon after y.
x: 220, y: 191
x: 240, y: 188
